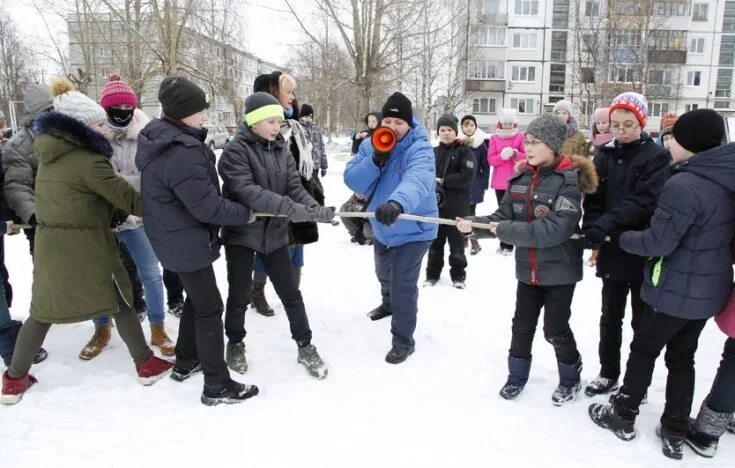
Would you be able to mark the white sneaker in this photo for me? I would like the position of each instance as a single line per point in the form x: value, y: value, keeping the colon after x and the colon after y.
x: 459, y: 284
x: 504, y: 252
x: 430, y: 282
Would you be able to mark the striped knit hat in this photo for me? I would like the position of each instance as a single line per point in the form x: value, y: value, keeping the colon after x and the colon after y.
x: 260, y: 106
x: 117, y: 93
x: 633, y: 102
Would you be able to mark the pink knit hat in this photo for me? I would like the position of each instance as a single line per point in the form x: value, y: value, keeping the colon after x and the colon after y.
x: 116, y: 93
x: 602, y: 115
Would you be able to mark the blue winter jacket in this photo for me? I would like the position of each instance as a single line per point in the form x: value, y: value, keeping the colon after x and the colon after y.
x: 691, y: 235
x: 409, y: 178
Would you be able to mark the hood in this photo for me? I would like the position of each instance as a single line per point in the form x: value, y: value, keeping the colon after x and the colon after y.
x: 159, y: 134
x: 140, y: 120
x: 247, y: 135
x: 717, y: 165
x: 36, y: 99
x: 477, y: 139
x: 68, y: 135
x: 587, y: 174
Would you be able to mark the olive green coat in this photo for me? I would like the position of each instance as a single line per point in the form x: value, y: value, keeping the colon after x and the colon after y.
x: 77, y: 262
x: 575, y: 144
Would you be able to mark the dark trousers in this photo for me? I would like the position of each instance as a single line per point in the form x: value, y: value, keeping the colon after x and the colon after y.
x: 31, y: 236
x: 200, y: 328
x: 721, y: 396
x: 499, y: 194
x: 457, y: 259
x: 557, y: 304
x: 680, y: 337
x: 278, y: 266
x: 614, y: 302
x: 4, y: 273
x: 357, y: 227
x: 398, y: 269
x: 174, y: 288
x: 127, y: 261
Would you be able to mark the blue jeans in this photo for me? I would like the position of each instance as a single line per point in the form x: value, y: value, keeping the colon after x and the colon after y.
x: 398, y: 269
x: 296, y: 254
x: 149, y: 271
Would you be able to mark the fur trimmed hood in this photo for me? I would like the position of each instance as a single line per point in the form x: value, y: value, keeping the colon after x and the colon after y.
x: 588, y: 180
x: 477, y: 139
x: 72, y: 134
x: 140, y: 120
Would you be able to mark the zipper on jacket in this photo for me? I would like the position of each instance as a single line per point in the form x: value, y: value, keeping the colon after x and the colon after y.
x: 532, y: 250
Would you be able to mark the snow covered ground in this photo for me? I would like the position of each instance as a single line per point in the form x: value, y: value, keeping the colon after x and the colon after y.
x: 438, y: 409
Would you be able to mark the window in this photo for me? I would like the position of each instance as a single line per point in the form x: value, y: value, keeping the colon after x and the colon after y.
x: 588, y: 75
x: 691, y: 107
x: 727, y: 50
x: 694, y: 78
x: 527, y: 7
x: 525, y: 40
x: 523, y: 73
x: 488, y: 35
x: 104, y: 52
x: 699, y: 12
x: 483, y: 106
x: 487, y: 70
x: 728, y: 20
x: 724, y: 83
x: 627, y: 7
x: 626, y: 38
x: 696, y: 45
x: 722, y: 104
x: 489, y: 7
x: 660, y: 77
x: 658, y: 109
x: 557, y: 77
x: 668, y: 39
x: 522, y: 106
x: 671, y: 8
x: 558, y: 45
x: 622, y: 74
x: 560, y: 18
x: 592, y: 8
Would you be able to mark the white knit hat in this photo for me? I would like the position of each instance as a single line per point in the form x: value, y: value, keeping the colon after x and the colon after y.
x: 507, y: 116
x: 76, y: 105
x: 566, y: 106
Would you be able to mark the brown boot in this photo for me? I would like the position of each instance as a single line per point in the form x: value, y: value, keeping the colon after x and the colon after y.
x: 160, y: 338
x: 97, y: 343
x: 257, y: 295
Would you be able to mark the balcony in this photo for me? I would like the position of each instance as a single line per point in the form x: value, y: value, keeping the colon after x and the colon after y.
x: 494, y: 19
x: 667, y: 56
x: 497, y: 86
x: 660, y: 91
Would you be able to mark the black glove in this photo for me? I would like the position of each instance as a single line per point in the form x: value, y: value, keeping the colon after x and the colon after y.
x: 594, y: 237
x: 323, y: 214
x: 380, y: 158
x: 296, y: 212
x: 387, y: 213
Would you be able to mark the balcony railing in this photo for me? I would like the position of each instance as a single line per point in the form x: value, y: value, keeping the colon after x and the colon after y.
x: 495, y: 19
x: 497, y: 86
x: 667, y: 56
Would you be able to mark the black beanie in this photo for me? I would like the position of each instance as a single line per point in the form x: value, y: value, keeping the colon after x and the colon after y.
x: 266, y: 83
x: 699, y: 130
x: 468, y: 117
x: 260, y: 106
x: 447, y: 120
x: 398, y: 106
x: 307, y: 111
x: 181, y: 97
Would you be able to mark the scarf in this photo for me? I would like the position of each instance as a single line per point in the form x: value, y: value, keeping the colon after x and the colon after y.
x: 572, y: 126
x: 502, y: 133
x: 291, y: 128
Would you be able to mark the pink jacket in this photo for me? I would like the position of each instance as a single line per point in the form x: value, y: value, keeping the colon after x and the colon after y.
x: 504, y: 169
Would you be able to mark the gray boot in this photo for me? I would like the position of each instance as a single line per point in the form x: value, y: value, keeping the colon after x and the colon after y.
x: 309, y: 357
x: 706, y: 430
x: 235, y: 357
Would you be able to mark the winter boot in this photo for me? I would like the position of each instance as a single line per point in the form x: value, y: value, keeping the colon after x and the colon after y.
x: 672, y: 442
x: 235, y: 357
x: 518, y: 370
x: 176, y: 308
x: 569, y: 383
x: 8, y: 336
x: 309, y: 357
x: 504, y: 251
x: 41, y: 356
x: 160, y: 339
x: 97, y: 343
x: 731, y: 426
x: 706, y: 430
x: 459, y: 284
x: 379, y: 313
x: 229, y: 393
x: 14, y: 389
x: 610, y: 418
x: 257, y: 295
x: 601, y: 386
x: 181, y: 373
x: 153, y: 370
x: 430, y: 282
x: 398, y: 354
x: 475, y: 249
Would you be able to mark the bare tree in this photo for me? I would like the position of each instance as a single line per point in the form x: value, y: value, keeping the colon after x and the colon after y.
x: 16, y: 65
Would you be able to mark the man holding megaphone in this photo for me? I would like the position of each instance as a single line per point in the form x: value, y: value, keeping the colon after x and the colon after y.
x: 395, y: 172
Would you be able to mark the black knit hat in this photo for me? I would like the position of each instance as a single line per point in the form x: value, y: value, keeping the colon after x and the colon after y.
x: 699, y: 130
x: 307, y: 111
x: 447, y: 120
x: 181, y: 97
x: 399, y: 107
x: 468, y: 117
x: 260, y: 106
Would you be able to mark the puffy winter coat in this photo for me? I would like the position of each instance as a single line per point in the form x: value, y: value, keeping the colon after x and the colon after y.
x: 262, y: 175
x: 409, y: 178
x: 691, y: 237
x: 481, y: 182
x: 631, y: 177
x: 539, y: 213
x: 575, y: 143
x: 76, y: 261
x: 182, y: 205
x: 356, y: 143
x: 503, y: 169
x: 124, y: 149
x: 455, y: 166
x: 318, y: 153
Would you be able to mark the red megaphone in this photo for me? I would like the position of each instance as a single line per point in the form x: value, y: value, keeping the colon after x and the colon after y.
x: 383, y: 139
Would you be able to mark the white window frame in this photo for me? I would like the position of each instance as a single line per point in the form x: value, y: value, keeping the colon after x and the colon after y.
x: 696, y: 45
x: 694, y: 76
x: 515, y: 103
x: 691, y: 107
x: 484, y: 10
x: 527, y: 5
x: 658, y: 109
x: 485, y: 65
x: 629, y: 73
x: 522, y: 73
x: 700, y: 17
x: 477, y: 105
x: 529, y: 36
x: 666, y: 75
x: 501, y: 39
x: 592, y: 8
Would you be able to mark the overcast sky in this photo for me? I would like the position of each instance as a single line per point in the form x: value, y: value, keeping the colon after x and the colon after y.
x: 271, y: 30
